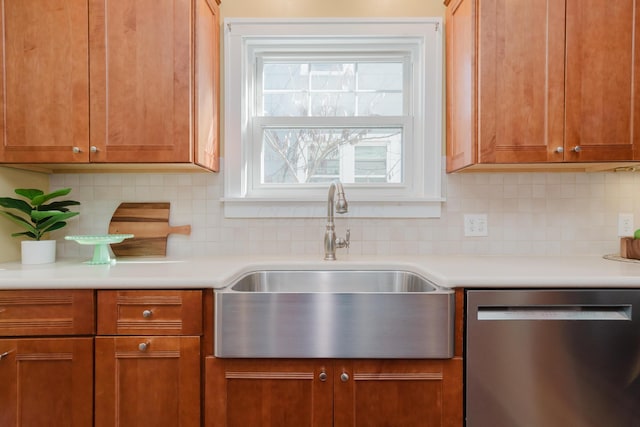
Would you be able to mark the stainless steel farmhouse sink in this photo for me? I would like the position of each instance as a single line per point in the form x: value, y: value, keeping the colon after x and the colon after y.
x: 334, y: 314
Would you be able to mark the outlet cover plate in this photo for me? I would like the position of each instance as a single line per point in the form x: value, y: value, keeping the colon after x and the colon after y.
x: 625, y: 225
x: 476, y: 225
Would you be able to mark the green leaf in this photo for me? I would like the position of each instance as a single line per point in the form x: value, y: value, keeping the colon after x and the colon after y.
x: 40, y: 215
x: 25, y: 233
x: 58, y: 206
x: 29, y: 193
x: 46, y: 225
x: 20, y: 221
x: 21, y: 205
x: 40, y: 199
x: 56, y: 226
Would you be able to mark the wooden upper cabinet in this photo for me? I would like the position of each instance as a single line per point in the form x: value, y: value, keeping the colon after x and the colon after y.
x: 45, y: 95
x: 541, y: 83
x: 602, y: 94
x: 520, y: 80
x: 143, y: 89
x: 96, y: 81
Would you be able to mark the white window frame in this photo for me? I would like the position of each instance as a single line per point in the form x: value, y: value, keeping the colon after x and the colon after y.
x: 419, y: 195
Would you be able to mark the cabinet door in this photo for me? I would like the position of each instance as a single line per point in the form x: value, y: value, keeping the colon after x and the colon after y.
x: 268, y: 393
x: 401, y: 393
x: 520, y: 81
x: 151, y: 381
x: 141, y: 80
x: 44, y: 108
x: 46, y: 382
x: 602, y: 102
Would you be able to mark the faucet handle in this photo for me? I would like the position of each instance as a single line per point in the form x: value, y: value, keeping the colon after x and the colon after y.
x: 344, y: 243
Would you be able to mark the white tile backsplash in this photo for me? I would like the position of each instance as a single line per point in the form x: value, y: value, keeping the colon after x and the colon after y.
x: 528, y: 214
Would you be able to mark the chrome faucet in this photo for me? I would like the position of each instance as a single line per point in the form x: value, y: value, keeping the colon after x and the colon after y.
x: 331, y: 242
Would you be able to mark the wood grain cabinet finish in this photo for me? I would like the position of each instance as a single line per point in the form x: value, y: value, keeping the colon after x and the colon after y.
x: 147, y: 380
x: 46, y: 358
x: 148, y: 358
x: 340, y: 393
x: 541, y: 83
x: 47, y: 312
x: 150, y: 312
x: 46, y: 382
x: 150, y: 61
x: 44, y: 100
x: 93, y: 81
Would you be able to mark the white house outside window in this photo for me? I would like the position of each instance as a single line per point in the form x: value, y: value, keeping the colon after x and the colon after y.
x: 311, y: 101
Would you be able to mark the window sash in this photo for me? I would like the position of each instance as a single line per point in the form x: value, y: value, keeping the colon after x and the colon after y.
x: 403, y: 57
x: 257, y: 188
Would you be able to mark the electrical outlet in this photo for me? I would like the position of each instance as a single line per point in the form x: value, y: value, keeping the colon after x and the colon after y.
x: 625, y: 225
x: 475, y: 225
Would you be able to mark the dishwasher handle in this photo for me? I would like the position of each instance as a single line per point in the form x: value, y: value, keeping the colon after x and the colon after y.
x: 556, y: 312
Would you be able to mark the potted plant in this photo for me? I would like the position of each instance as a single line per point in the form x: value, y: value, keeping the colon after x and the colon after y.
x: 37, y: 216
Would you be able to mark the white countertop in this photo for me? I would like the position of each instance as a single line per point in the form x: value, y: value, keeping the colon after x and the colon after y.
x: 216, y: 272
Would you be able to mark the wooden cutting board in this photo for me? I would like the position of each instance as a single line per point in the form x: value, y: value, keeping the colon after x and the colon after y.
x: 149, y: 224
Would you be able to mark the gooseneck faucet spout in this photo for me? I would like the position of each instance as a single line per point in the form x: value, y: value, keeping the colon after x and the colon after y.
x: 331, y: 242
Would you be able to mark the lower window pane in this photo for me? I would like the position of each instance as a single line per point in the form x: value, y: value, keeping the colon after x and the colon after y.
x: 312, y: 155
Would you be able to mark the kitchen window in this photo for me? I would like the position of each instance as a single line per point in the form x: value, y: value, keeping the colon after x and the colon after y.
x: 311, y: 101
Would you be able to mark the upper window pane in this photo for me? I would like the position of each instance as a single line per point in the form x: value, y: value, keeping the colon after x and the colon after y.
x: 332, y: 89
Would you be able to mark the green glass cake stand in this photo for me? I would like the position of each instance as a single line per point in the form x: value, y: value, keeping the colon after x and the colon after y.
x: 100, y: 242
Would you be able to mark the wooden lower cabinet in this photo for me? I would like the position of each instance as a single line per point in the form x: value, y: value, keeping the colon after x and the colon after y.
x: 46, y: 382
x: 147, y: 380
x: 340, y: 393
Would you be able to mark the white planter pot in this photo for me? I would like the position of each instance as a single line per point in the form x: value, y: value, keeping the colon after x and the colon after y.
x: 38, y: 251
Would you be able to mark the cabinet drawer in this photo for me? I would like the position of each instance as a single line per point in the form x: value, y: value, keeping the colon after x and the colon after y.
x: 149, y: 312
x: 44, y: 312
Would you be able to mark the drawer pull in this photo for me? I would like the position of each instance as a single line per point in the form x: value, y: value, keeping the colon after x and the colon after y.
x: 344, y: 377
x: 322, y: 376
x: 144, y: 346
x: 5, y: 354
x: 147, y: 313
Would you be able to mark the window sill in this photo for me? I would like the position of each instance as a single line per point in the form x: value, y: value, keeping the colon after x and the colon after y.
x: 285, y: 208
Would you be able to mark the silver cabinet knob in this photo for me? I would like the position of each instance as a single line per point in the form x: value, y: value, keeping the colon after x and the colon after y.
x: 76, y: 150
x: 93, y: 149
x: 323, y: 376
x: 559, y: 150
x: 144, y: 346
x: 344, y: 377
x: 5, y: 354
x: 576, y: 149
x: 147, y: 313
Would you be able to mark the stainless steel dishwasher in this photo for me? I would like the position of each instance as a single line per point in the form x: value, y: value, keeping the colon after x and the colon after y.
x: 547, y: 358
